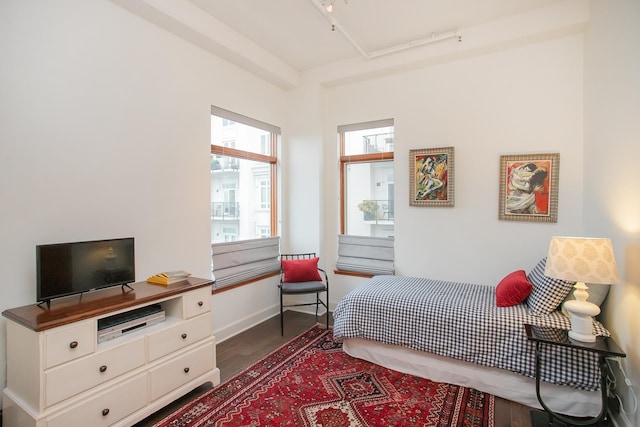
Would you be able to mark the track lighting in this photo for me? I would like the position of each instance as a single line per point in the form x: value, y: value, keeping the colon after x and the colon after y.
x: 325, y: 7
x: 328, y: 5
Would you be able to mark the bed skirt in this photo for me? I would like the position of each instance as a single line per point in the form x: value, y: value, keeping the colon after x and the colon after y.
x: 499, y: 382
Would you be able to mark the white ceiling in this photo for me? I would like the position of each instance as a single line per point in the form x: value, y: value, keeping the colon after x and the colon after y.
x: 290, y: 42
x: 297, y: 32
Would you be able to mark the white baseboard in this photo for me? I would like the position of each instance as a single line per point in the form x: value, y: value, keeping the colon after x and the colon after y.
x: 245, y: 323
x: 248, y: 322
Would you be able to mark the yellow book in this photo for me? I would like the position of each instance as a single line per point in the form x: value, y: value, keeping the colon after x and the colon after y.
x: 168, y: 277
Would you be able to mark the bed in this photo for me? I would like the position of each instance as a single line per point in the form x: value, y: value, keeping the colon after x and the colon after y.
x: 454, y: 332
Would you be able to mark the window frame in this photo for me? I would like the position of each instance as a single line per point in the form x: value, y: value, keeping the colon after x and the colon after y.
x: 271, y: 160
x: 346, y: 159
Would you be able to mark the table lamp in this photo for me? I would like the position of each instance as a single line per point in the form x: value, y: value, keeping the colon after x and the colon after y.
x: 581, y: 260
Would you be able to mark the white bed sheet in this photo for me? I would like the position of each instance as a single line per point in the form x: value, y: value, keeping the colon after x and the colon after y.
x: 498, y: 382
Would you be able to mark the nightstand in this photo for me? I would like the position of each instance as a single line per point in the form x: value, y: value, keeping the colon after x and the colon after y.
x: 604, y: 347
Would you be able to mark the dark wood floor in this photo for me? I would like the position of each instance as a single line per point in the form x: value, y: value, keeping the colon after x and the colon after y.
x: 240, y: 351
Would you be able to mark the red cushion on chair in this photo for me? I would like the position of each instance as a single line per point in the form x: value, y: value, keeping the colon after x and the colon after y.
x: 513, y: 289
x: 301, y: 270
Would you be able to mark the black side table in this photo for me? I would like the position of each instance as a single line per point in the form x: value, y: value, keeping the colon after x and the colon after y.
x: 603, y: 346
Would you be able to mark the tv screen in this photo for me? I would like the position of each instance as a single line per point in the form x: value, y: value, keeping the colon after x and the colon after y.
x: 71, y: 268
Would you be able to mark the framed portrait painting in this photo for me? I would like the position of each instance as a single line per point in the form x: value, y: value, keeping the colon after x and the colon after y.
x: 431, y: 177
x: 529, y: 187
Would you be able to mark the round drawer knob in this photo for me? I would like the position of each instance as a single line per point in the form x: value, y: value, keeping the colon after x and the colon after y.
x: 186, y: 370
x: 73, y: 344
x: 184, y: 336
x: 105, y: 412
x: 200, y: 303
x: 103, y: 368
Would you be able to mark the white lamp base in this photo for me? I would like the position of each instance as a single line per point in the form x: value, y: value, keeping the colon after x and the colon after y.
x: 581, y: 319
x: 581, y: 337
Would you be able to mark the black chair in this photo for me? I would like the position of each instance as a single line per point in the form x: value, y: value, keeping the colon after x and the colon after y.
x: 303, y: 287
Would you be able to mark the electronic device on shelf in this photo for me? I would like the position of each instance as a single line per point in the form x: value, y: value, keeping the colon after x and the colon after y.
x: 123, y: 323
x: 71, y: 268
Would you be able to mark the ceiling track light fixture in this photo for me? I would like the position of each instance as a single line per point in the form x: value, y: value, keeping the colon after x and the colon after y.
x: 328, y: 4
x: 325, y: 7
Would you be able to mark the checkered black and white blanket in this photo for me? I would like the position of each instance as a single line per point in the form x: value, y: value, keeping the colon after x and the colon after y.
x: 461, y: 321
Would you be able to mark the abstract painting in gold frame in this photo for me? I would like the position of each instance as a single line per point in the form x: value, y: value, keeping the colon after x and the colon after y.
x: 529, y: 187
x: 431, y: 177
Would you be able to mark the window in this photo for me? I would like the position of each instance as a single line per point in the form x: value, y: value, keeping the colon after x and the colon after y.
x: 243, y: 173
x: 265, y: 192
x: 243, y: 183
x: 366, y: 171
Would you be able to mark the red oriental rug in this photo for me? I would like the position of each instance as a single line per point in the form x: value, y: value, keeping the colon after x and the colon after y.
x: 310, y: 381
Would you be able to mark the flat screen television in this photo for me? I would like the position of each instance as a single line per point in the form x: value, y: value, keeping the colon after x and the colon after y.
x: 71, y: 268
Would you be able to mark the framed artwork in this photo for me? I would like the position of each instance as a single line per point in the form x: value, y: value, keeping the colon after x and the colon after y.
x: 529, y: 187
x: 431, y: 177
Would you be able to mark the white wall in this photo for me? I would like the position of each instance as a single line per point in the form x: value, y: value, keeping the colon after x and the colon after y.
x: 523, y: 100
x: 302, y: 167
x: 104, y: 123
x: 105, y: 132
x: 611, y: 172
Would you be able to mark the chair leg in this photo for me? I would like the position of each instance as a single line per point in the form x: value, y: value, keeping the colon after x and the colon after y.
x: 327, y: 310
x: 281, y: 317
x: 327, y: 296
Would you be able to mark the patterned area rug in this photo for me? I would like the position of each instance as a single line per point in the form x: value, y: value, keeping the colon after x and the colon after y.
x: 311, y: 382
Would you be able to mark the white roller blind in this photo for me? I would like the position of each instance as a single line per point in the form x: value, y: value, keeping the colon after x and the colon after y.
x: 239, y: 118
x: 363, y: 254
x: 365, y: 125
x: 235, y: 262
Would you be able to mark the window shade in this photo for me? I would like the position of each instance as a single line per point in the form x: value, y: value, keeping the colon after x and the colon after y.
x: 235, y: 262
x: 363, y: 254
x: 365, y: 125
x: 239, y: 118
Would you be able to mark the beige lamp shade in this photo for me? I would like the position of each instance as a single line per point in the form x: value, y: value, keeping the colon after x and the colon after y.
x: 582, y: 259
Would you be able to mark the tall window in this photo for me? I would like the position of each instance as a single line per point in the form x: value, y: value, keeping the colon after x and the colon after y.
x: 366, y: 174
x: 243, y: 177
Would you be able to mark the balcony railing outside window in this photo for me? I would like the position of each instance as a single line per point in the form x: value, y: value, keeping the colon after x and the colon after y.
x: 378, y: 143
x: 224, y: 164
x: 225, y: 210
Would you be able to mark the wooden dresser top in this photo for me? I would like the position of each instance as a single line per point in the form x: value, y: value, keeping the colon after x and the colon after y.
x: 73, y: 308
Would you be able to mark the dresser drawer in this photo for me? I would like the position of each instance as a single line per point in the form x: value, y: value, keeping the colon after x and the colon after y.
x: 197, y: 302
x: 105, y: 408
x: 82, y: 374
x: 67, y: 343
x: 181, y: 370
x: 179, y: 336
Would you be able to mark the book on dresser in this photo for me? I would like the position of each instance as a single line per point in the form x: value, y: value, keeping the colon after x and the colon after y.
x: 168, y: 277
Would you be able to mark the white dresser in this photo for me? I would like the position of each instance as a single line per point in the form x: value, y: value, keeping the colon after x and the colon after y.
x: 58, y: 374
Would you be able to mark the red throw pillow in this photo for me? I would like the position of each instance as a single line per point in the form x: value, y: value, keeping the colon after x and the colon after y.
x: 301, y: 270
x: 513, y: 289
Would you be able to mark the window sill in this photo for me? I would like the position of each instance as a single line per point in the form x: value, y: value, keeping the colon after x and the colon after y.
x: 352, y: 273
x: 246, y: 282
